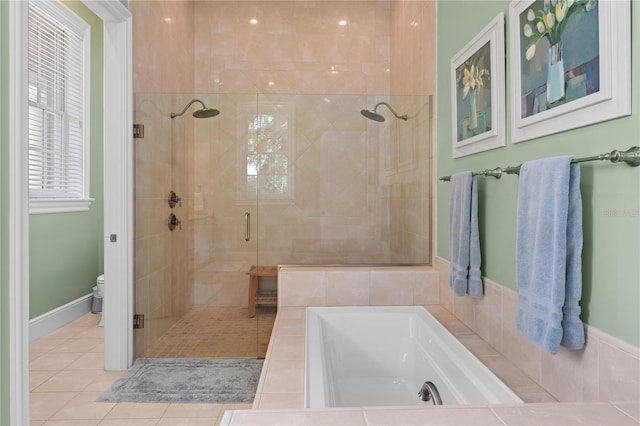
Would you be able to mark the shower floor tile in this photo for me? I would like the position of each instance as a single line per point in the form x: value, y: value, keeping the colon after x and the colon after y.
x: 216, y: 332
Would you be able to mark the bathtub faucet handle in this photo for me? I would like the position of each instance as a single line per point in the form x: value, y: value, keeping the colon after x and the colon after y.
x: 429, y: 392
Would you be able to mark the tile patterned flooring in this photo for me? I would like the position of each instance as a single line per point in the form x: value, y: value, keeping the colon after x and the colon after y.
x: 67, y: 375
x: 217, y: 332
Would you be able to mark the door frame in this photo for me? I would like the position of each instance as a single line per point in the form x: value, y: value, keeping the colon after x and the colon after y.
x: 118, y: 195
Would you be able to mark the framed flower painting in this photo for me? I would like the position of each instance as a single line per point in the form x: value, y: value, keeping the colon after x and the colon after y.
x: 570, y: 64
x: 477, y: 92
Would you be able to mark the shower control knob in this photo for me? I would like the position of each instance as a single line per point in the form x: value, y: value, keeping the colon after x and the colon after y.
x: 174, y: 199
x: 173, y: 222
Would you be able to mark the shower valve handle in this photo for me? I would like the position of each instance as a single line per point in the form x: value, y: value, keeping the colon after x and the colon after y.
x: 173, y: 222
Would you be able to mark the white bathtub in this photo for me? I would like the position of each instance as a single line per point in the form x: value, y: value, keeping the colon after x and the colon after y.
x: 376, y: 356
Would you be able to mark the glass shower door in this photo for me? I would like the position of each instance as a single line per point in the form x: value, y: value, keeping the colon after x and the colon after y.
x: 224, y: 216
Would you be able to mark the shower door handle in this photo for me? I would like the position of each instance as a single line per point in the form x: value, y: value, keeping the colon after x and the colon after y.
x: 247, y: 226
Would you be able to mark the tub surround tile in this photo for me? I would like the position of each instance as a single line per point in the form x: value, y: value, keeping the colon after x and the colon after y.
x: 632, y: 409
x: 489, y: 315
x: 426, y: 288
x: 571, y: 376
x: 291, y: 327
x: 301, y: 288
x: 275, y: 392
x: 606, y: 369
x: 478, y: 346
x: 446, y: 295
x: 287, y: 347
x: 352, y: 416
x: 521, y: 351
x: 618, y: 373
x: 563, y: 414
x: 511, y: 375
x: 286, y: 376
x: 431, y: 416
x: 357, y: 286
x: 384, y: 292
x: 280, y: 400
x: 348, y: 296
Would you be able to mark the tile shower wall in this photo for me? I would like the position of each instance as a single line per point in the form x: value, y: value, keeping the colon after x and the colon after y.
x: 340, y: 210
x: 413, y: 47
x: 162, y: 290
x: 163, y: 62
x: 298, y: 48
x: 295, y: 47
x: 413, y: 40
x: 607, y: 369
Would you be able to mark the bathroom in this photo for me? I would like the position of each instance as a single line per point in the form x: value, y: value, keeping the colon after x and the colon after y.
x: 346, y: 191
x: 610, y: 297
x: 382, y: 35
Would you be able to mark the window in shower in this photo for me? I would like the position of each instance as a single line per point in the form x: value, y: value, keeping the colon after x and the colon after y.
x: 266, y: 151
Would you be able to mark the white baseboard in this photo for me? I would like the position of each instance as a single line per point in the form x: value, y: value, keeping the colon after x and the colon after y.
x: 56, y: 318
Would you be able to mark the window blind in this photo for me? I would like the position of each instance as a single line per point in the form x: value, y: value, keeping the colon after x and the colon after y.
x: 56, y: 107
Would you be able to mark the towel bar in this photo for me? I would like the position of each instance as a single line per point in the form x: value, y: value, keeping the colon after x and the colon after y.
x: 631, y: 157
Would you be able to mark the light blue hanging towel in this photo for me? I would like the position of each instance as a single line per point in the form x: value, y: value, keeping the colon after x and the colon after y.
x: 548, y: 253
x: 464, y: 240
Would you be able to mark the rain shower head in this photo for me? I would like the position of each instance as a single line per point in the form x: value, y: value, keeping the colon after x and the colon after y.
x: 373, y: 115
x: 199, y: 113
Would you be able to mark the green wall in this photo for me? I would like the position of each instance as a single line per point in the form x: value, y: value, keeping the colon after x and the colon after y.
x: 66, y: 249
x: 610, y: 193
x: 4, y: 219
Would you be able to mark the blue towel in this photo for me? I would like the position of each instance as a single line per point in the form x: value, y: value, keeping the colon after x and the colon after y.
x: 548, y: 253
x: 464, y: 241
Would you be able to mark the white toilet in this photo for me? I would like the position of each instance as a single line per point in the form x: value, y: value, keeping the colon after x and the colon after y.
x: 100, y: 285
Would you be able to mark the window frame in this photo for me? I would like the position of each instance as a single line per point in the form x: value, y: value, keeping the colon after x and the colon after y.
x: 244, y: 195
x: 67, y: 18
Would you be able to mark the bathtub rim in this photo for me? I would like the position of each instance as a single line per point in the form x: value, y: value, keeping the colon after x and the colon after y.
x: 312, y: 341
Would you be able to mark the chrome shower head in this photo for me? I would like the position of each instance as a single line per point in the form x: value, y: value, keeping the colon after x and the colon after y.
x: 200, y: 113
x: 206, y: 113
x: 373, y: 115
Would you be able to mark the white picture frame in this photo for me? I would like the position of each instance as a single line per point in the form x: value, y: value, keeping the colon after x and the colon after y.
x: 576, y: 98
x: 478, y: 71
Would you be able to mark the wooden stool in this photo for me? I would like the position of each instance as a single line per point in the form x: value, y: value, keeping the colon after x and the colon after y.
x: 261, y: 298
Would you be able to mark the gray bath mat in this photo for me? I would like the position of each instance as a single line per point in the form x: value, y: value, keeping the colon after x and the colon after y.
x: 187, y: 380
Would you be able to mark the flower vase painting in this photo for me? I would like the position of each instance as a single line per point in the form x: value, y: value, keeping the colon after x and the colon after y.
x: 473, y: 79
x: 570, y: 64
x: 560, y: 56
x: 477, y: 92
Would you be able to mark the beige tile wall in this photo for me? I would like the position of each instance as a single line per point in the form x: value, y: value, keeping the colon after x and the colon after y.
x: 357, y: 286
x: 209, y: 47
x: 162, y: 46
x: 162, y: 63
x: 607, y: 369
x: 162, y: 290
x: 413, y: 47
x: 296, y: 47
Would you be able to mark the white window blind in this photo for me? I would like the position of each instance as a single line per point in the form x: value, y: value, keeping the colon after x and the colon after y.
x: 58, y: 105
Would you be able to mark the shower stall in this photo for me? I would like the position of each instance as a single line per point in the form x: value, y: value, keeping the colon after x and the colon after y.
x: 268, y: 179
